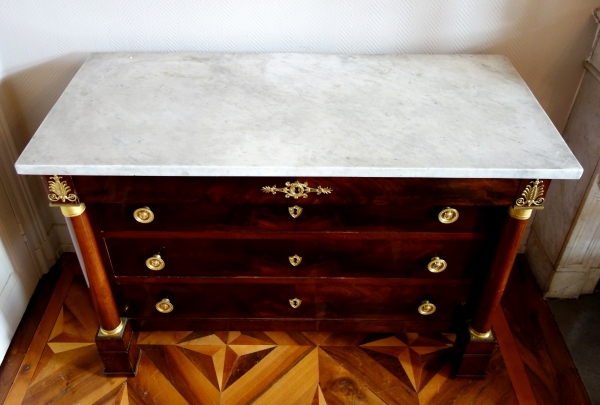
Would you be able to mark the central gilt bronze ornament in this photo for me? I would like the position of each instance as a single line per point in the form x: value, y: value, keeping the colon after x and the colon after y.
x: 296, y: 190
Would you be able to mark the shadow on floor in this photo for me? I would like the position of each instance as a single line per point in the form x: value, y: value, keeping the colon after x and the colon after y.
x: 579, y: 323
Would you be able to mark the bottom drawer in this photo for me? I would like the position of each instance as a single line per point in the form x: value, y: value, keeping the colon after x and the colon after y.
x: 366, y: 301
x: 316, y: 300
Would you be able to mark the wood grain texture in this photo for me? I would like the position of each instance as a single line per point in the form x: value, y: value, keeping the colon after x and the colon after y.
x: 346, y: 190
x: 42, y: 334
x: 320, y: 301
x: 241, y: 367
x: 512, y: 359
x: 362, y: 367
x: 203, y: 217
x: 25, y: 331
x: 501, y: 266
x: 100, y: 291
x: 406, y: 257
x: 549, y: 367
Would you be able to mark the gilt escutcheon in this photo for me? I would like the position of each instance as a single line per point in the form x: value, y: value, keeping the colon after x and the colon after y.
x: 295, y: 211
x: 296, y: 190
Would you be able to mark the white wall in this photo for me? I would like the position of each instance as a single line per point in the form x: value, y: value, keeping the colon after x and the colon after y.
x: 43, y: 43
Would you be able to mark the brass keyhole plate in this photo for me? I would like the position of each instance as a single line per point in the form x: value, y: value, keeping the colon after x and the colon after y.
x: 295, y: 302
x: 295, y: 211
x: 295, y: 260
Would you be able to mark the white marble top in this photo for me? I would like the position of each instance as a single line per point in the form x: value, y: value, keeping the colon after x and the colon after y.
x: 195, y: 114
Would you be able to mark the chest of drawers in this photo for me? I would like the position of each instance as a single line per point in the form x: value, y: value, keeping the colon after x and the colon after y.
x: 297, y: 192
x: 227, y: 255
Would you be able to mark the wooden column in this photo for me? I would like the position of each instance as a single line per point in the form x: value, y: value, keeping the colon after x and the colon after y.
x: 476, y: 342
x: 100, y: 291
x: 116, y: 343
x: 502, y: 263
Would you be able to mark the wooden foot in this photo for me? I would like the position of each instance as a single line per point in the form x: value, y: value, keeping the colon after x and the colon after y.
x: 119, y: 351
x: 473, y: 354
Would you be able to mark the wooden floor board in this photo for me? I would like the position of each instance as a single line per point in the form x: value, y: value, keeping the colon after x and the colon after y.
x: 27, y: 327
x: 549, y: 368
x: 40, y: 338
x: 239, y: 367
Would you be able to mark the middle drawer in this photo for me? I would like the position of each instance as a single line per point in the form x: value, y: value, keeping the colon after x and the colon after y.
x: 400, y: 255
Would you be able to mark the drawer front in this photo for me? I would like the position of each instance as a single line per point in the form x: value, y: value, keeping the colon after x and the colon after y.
x: 212, y: 300
x: 380, y: 301
x: 249, y: 190
x: 194, y: 217
x: 341, y: 255
x: 317, y: 301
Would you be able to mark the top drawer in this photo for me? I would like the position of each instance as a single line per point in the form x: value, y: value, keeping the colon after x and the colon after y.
x: 249, y: 190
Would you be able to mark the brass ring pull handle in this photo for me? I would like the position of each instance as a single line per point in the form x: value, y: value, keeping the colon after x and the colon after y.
x: 296, y: 190
x: 426, y: 308
x: 437, y: 265
x: 164, y: 306
x: 295, y: 303
x: 143, y: 215
x: 295, y: 260
x: 295, y: 211
x: 155, y: 263
x: 448, y: 215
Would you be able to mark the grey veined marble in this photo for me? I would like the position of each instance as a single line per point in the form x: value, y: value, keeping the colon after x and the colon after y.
x: 195, y: 114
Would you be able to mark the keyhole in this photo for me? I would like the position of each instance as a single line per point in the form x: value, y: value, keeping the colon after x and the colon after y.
x: 295, y: 211
x: 295, y: 260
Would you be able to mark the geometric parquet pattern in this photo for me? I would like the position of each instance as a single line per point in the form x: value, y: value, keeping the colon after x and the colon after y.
x: 304, y: 368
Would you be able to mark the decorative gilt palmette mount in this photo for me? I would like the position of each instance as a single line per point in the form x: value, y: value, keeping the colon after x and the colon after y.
x: 59, y: 191
x: 296, y: 190
x: 532, y: 196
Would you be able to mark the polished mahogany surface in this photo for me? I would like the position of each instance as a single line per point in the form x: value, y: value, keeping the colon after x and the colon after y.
x: 227, y: 246
x: 318, y: 300
x: 247, y: 190
x: 338, y: 255
x: 199, y: 217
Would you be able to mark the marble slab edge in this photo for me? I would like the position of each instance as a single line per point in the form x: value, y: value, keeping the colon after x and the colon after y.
x: 204, y: 171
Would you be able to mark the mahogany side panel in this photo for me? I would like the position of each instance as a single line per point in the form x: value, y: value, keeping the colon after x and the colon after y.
x: 502, y: 263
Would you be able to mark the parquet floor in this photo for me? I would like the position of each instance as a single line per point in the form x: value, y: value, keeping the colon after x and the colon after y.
x: 272, y: 368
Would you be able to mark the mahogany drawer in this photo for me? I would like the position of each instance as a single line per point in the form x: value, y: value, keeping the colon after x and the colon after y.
x: 375, y: 301
x: 248, y: 190
x: 212, y: 300
x: 399, y: 255
x: 318, y: 300
x: 192, y: 217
